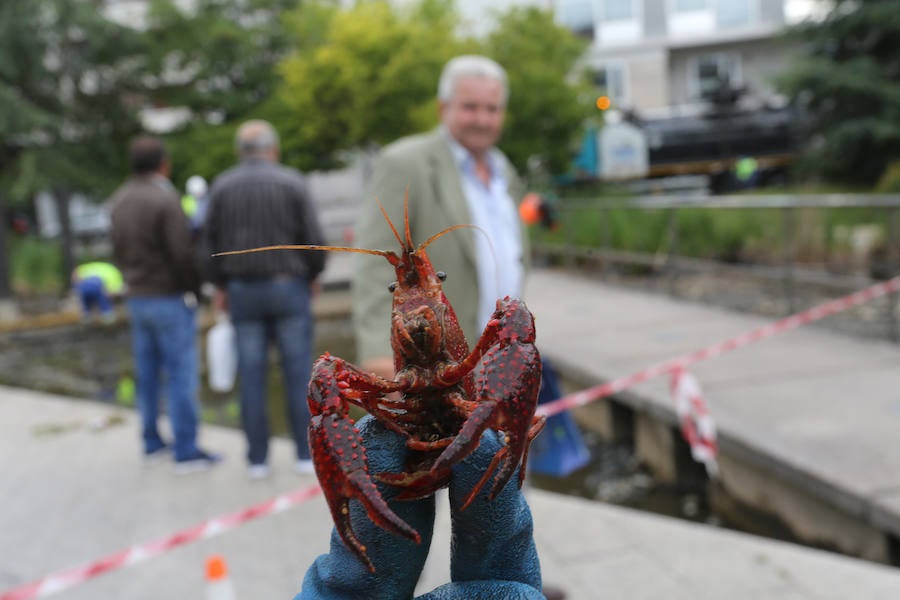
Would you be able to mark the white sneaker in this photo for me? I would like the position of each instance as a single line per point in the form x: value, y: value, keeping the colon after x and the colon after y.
x: 256, y: 472
x: 304, y: 466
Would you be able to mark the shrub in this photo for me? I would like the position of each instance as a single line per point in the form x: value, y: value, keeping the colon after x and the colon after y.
x: 36, y: 265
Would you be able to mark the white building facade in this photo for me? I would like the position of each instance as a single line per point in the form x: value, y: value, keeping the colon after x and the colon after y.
x: 660, y: 57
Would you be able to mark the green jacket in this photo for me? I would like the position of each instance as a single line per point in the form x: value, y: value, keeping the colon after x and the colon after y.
x: 424, y: 164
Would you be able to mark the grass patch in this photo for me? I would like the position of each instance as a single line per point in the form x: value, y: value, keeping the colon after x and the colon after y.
x: 36, y: 266
x: 748, y: 235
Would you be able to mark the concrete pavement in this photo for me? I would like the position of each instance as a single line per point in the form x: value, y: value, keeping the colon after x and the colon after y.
x: 813, y: 411
x: 74, y: 490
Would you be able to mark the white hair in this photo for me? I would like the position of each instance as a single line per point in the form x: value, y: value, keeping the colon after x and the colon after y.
x: 470, y: 65
x: 196, y: 186
x: 255, y: 137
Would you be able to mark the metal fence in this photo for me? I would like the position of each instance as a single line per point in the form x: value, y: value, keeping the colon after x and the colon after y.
x: 670, y: 263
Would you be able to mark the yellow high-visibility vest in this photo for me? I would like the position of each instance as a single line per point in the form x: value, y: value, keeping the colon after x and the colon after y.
x: 189, y: 205
x: 107, y: 272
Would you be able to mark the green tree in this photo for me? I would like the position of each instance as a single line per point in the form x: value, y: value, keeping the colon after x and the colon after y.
x: 368, y: 79
x: 67, y: 79
x: 549, y: 103
x: 73, y: 84
x: 66, y: 76
x: 848, y: 80
x: 217, y: 60
x: 371, y: 77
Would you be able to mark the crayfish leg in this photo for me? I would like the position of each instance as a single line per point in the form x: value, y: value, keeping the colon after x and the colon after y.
x: 536, y: 427
x: 415, y: 485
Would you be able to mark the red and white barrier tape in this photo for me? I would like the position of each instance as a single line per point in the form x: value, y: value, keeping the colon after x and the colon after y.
x: 815, y: 313
x: 697, y: 425
x: 67, y: 578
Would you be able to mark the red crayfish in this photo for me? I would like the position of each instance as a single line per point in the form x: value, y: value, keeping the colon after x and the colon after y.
x: 444, y: 402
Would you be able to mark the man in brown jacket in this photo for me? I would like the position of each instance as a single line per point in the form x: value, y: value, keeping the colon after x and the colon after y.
x: 153, y: 249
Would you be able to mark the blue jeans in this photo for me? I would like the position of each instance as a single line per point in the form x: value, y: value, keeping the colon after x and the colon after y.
x: 163, y: 332
x: 91, y: 293
x: 265, y: 310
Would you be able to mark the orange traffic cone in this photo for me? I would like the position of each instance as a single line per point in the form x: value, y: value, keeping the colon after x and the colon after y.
x: 218, y: 583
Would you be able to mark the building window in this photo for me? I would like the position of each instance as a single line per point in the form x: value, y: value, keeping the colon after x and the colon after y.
x: 611, y: 79
x: 617, y: 10
x: 733, y: 13
x: 682, y: 6
x: 710, y: 72
x: 576, y: 15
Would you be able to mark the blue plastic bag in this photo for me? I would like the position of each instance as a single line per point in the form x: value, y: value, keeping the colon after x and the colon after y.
x: 559, y: 449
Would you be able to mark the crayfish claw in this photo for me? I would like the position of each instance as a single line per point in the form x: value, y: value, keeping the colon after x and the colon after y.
x: 499, y: 481
x: 379, y: 511
x: 341, y: 515
x: 343, y: 472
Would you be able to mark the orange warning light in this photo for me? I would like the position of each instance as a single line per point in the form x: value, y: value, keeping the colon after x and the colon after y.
x: 603, y: 102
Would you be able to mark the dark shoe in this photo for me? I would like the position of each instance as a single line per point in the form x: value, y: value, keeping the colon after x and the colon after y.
x: 157, y: 456
x: 201, y: 461
x: 553, y: 593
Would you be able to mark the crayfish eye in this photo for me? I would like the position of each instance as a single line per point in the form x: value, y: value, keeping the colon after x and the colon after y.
x: 441, y: 275
x: 392, y: 286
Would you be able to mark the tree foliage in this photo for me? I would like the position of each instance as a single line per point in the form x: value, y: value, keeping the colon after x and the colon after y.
x: 66, y: 78
x: 367, y: 80
x: 372, y: 75
x: 73, y: 83
x: 548, y: 103
x: 217, y: 60
x: 849, y: 82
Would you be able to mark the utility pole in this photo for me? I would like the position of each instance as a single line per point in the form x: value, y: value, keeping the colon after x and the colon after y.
x: 5, y: 287
x: 62, y: 195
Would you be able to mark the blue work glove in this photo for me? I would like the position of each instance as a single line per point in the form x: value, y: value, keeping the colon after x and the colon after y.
x: 493, y: 556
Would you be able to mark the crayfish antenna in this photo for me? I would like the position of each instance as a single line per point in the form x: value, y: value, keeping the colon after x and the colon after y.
x: 383, y: 253
x: 442, y: 232
x: 391, y: 224
x: 409, y: 244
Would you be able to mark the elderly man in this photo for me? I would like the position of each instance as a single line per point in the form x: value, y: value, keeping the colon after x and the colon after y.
x: 267, y: 294
x: 455, y: 174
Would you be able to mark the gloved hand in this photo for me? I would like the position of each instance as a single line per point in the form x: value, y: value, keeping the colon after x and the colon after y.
x: 493, y: 556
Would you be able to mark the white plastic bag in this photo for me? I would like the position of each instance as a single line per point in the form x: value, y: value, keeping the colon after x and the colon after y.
x: 221, y: 354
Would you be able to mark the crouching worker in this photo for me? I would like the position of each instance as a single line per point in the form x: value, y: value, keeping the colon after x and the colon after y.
x: 97, y: 285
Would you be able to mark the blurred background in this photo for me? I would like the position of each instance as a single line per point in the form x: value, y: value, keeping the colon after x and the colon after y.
x: 609, y: 98
x: 741, y: 152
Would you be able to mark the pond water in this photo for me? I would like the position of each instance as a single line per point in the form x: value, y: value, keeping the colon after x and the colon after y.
x: 93, y: 361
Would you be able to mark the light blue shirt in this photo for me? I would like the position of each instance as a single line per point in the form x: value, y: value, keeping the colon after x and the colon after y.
x: 498, y: 245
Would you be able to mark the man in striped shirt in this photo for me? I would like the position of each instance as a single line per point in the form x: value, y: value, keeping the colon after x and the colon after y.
x: 260, y: 202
